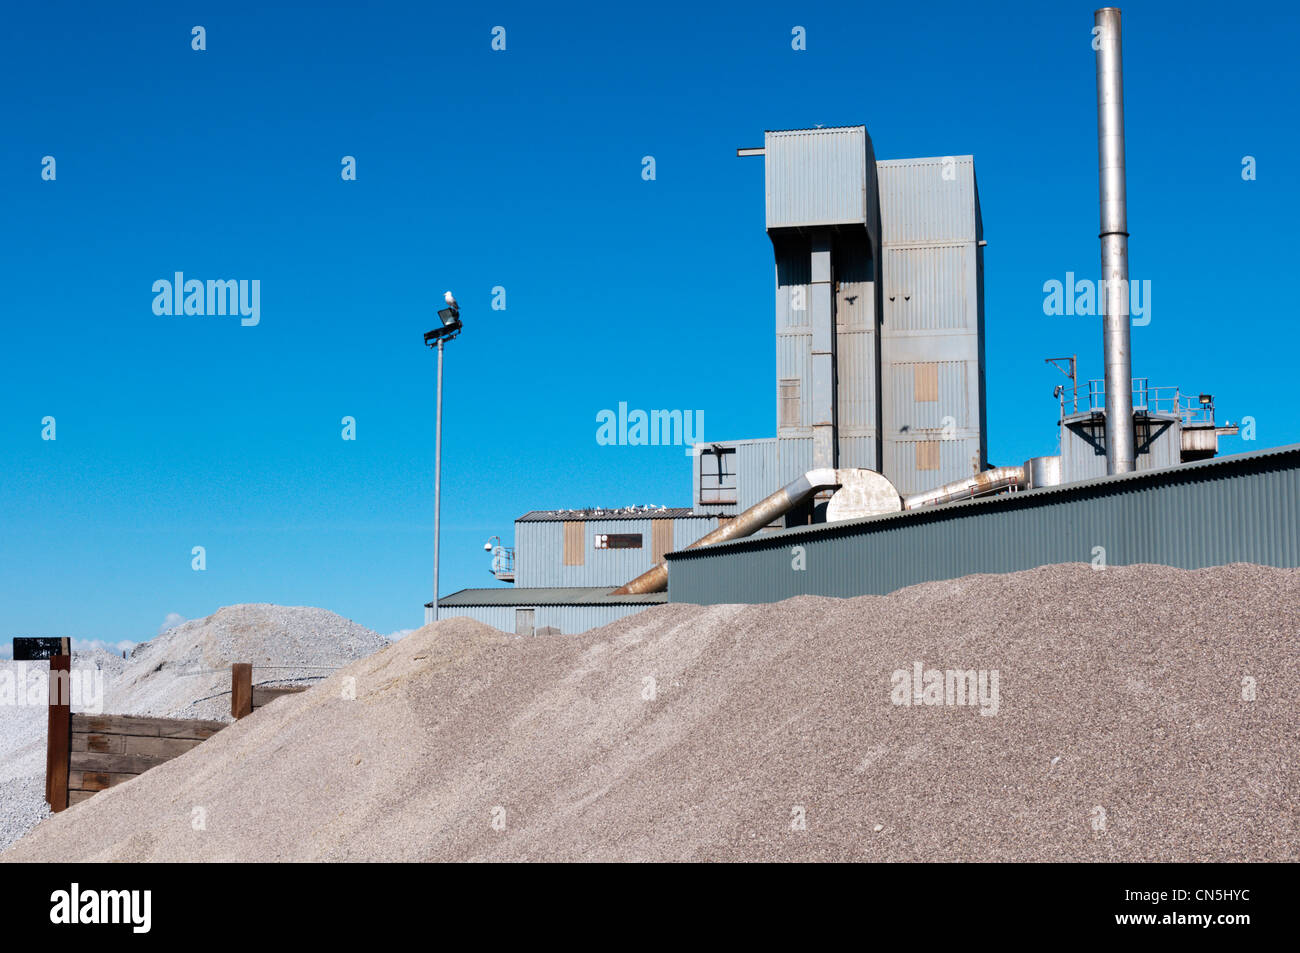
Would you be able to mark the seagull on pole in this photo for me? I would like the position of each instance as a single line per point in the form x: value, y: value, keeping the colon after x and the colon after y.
x: 451, y: 301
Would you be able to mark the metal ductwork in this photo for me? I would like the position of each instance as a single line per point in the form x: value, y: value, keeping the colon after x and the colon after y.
x: 989, y: 481
x: 1120, y: 455
x: 1042, y: 471
x: 872, y: 495
x: 762, y: 513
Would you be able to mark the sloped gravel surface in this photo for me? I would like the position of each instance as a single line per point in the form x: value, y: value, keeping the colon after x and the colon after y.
x: 1143, y: 713
x: 23, y: 726
x: 182, y: 673
x: 185, y: 672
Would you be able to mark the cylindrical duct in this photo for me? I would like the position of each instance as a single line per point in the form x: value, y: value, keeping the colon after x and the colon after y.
x: 1042, y: 471
x: 1114, y: 242
x: 982, y: 483
x: 771, y: 507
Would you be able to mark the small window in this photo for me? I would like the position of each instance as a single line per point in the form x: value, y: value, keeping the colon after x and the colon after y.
x: 927, y: 455
x: 618, y: 541
x: 573, y: 543
x: 718, y: 475
x: 789, y: 398
x: 661, y: 539
x: 925, y: 382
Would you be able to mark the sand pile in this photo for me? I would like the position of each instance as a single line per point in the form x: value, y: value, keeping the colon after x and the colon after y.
x: 769, y: 733
x: 185, y: 672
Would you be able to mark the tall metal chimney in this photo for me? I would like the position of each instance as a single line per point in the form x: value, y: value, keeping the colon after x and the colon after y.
x: 1120, y: 456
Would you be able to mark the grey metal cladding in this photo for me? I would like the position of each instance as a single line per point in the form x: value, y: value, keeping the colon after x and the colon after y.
x: 818, y: 177
x: 932, y: 320
x: 539, y: 551
x: 928, y: 200
x: 949, y: 409
x: 546, y: 595
x: 1083, y: 457
x: 930, y: 287
x: 1243, y: 508
x: 565, y: 619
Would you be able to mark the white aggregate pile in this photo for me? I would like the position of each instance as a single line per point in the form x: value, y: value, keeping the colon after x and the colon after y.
x: 185, y: 672
x: 22, y: 739
x: 182, y: 673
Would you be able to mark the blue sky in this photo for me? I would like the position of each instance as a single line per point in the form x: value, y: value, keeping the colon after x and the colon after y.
x: 522, y: 169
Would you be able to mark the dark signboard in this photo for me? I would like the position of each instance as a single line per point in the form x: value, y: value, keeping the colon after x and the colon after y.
x: 36, y: 650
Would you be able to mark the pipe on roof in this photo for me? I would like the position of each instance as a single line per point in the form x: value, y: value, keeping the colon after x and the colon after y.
x: 776, y: 505
x: 766, y: 510
x: 985, y: 482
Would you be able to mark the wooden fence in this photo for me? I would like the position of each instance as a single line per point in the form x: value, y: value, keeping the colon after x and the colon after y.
x: 86, y: 754
x: 108, y: 749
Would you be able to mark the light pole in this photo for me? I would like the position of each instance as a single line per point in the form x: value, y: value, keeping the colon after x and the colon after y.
x: 450, y: 317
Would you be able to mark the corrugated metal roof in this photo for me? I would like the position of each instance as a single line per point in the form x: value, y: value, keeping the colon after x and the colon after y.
x: 1119, y: 481
x: 596, y: 513
x: 559, y: 596
x: 804, y: 129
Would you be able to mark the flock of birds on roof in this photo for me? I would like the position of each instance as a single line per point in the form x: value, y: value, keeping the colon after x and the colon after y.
x: 612, y: 511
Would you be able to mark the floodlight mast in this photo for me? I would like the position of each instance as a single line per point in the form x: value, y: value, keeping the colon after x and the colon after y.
x: 451, y: 328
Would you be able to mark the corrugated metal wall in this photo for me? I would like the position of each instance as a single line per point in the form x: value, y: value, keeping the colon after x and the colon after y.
x: 1244, y: 509
x: 914, y: 416
x: 762, y: 467
x: 793, y: 275
x: 539, y: 551
x: 927, y: 287
x: 932, y: 315
x: 856, y: 351
x: 1083, y: 449
x: 856, y: 345
x: 919, y: 205
x: 794, y: 362
x: 570, y: 620
x: 816, y: 176
x: 954, y: 460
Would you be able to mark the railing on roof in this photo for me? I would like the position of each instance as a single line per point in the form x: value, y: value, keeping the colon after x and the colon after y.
x: 1090, y: 397
x: 503, y: 563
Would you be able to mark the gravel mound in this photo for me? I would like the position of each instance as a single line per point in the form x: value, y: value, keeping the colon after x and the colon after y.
x: 185, y: 672
x: 182, y: 673
x: 1121, y: 734
x: 22, y: 740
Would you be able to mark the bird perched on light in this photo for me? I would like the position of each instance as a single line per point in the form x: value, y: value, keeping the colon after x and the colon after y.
x: 451, y: 300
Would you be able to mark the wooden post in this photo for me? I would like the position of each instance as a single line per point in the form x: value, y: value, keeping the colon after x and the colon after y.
x: 241, y: 689
x: 58, y: 744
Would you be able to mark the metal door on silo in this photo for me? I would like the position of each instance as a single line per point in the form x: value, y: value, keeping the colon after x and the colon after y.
x: 524, y: 621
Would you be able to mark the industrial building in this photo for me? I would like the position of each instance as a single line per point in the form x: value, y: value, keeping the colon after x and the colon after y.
x: 879, y: 321
x: 565, y: 565
x: 838, y: 220
x: 878, y: 472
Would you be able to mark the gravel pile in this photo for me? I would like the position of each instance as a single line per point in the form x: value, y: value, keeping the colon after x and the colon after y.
x: 768, y: 733
x: 185, y: 672
x: 22, y: 739
x: 182, y: 673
